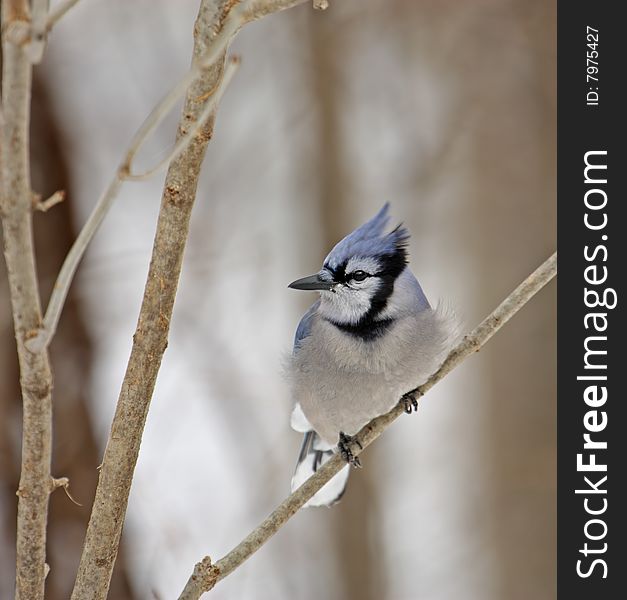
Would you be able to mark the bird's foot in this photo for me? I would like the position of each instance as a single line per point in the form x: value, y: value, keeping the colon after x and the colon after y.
x: 345, y: 451
x: 410, y: 401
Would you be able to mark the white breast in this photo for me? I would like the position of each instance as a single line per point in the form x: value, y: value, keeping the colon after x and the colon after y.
x: 342, y: 382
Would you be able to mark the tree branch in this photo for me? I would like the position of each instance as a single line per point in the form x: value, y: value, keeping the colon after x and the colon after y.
x: 48, y: 203
x: 182, y: 143
x: 35, y: 377
x: 39, y: 19
x: 58, y: 13
x: 206, y: 575
x: 234, y: 14
x: 66, y: 275
x: 151, y: 335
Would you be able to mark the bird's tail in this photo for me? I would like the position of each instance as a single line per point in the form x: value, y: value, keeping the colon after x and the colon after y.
x: 311, y: 457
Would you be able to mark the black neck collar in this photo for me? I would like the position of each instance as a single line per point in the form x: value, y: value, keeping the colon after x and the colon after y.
x: 366, y: 330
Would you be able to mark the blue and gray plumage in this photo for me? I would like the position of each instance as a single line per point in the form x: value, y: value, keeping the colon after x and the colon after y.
x: 370, y: 338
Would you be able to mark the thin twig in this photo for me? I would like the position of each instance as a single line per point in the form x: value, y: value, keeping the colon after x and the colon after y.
x: 235, y: 16
x: 48, y: 203
x: 203, y: 578
x: 211, y: 103
x: 151, y: 335
x: 58, y: 13
x: 233, y: 22
x: 38, y: 31
x: 16, y: 204
x: 44, y: 335
x: 206, y: 574
x: 62, y: 286
x: 63, y: 482
x: 64, y: 279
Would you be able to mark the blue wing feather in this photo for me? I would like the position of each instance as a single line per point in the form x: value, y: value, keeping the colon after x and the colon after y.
x: 304, y: 327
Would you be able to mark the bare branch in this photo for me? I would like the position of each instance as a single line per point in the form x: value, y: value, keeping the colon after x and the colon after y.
x: 63, y: 482
x: 35, y: 377
x: 58, y: 13
x: 212, y: 99
x: 151, y: 335
x: 204, y: 578
x: 234, y: 17
x: 39, y: 18
x: 206, y: 574
x: 48, y: 203
x: 64, y: 280
x: 42, y: 338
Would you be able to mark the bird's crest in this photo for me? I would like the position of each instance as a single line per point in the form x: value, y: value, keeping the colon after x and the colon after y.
x: 370, y: 240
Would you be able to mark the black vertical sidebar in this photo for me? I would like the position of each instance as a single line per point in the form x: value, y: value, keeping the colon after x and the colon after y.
x: 592, y: 268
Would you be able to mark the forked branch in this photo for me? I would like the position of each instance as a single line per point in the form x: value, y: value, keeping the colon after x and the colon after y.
x: 234, y: 15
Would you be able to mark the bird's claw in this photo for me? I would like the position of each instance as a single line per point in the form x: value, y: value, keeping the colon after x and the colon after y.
x: 345, y: 451
x: 410, y: 401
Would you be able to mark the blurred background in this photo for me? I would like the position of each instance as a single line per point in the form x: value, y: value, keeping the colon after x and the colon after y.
x: 447, y: 109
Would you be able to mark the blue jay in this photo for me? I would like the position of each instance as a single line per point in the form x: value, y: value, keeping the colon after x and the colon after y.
x: 368, y: 339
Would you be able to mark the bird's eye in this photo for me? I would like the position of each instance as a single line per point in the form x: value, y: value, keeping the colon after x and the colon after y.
x: 359, y: 275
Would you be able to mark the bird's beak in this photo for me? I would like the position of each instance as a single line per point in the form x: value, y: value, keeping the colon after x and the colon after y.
x: 313, y: 282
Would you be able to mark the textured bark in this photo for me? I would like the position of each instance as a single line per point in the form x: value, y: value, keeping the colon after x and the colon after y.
x: 150, y: 338
x: 151, y: 335
x: 76, y: 453
x: 10, y: 413
x: 35, y: 375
